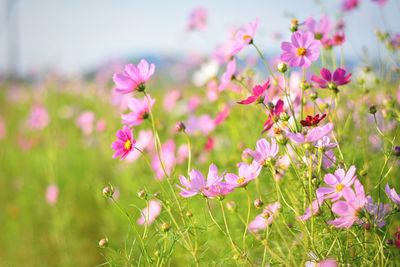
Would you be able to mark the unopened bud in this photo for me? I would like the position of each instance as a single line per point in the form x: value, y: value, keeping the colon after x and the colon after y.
x: 142, y: 194
x: 282, y: 140
x: 282, y: 67
x: 165, y: 227
x: 284, y: 116
x: 258, y: 203
x: 372, y: 109
x: 108, y: 191
x: 180, y: 126
x: 304, y: 85
x: 189, y: 214
x: 294, y: 25
x: 396, y: 151
x: 231, y: 206
x: 314, y: 96
x: 103, y: 243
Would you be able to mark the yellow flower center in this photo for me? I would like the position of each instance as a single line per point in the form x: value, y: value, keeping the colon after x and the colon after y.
x: 339, y: 187
x: 246, y: 37
x: 240, y: 180
x: 301, y: 51
x: 128, y: 145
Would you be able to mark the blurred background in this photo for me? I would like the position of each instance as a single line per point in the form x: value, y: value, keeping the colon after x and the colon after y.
x: 58, y: 116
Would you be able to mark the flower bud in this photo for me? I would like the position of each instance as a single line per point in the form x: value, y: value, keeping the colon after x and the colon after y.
x: 231, y: 206
x: 390, y: 242
x: 258, y: 203
x: 282, y: 67
x: 180, y: 127
x: 304, y: 85
x: 282, y: 140
x: 367, y: 226
x: 103, y: 243
x: 364, y: 172
x: 396, y: 151
x: 142, y: 194
x: 108, y: 191
x: 270, y: 105
x: 189, y: 214
x: 314, y: 96
x: 372, y: 109
x: 294, y: 25
x: 284, y: 116
x: 165, y: 227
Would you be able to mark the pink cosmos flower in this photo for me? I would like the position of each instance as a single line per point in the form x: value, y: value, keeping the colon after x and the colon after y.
x: 265, y: 218
x: 170, y: 99
x: 338, y: 78
x: 198, y: 19
x: 348, y: 5
x: 150, y: 213
x: 392, y: 194
x: 222, y: 115
x: 227, y: 75
x: 168, y: 158
x: 258, y: 94
x: 101, y: 125
x: 38, y: 118
x: 339, y: 183
x: 323, y: 263
x: 349, y: 209
x: 247, y: 173
x: 274, y: 114
x: 52, y: 194
x: 124, y: 143
x: 134, y: 77
x: 321, y: 29
x: 198, y: 185
x: 144, y: 142
x: 85, y: 122
x: 301, y: 51
x: 313, y: 209
x: 193, y: 103
x: 203, y: 124
x: 140, y: 110
x: 380, y: 2
x: 265, y: 151
x: 244, y: 37
x: 312, y: 135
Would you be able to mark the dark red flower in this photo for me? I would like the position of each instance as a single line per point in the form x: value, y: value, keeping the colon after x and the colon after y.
x: 312, y: 121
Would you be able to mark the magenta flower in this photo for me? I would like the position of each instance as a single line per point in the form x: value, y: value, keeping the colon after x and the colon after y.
x: 339, y: 183
x: 265, y: 151
x: 324, y: 263
x: 313, y: 209
x: 349, y: 210
x: 327, y: 80
x: 274, y: 114
x: 227, y: 75
x: 312, y: 135
x: 244, y: 37
x: 198, y: 19
x: 124, y: 143
x: 140, y: 110
x: 150, y: 213
x: 348, y: 5
x: 52, y: 194
x: 392, y: 194
x: 258, y: 94
x: 265, y: 218
x: 301, y: 51
x: 247, y: 173
x: 213, y: 187
x: 222, y: 115
x: 134, y: 77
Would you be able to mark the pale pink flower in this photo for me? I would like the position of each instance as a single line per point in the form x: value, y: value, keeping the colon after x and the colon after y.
x: 339, y: 183
x: 143, y: 142
x: 203, y: 124
x: 321, y: 29
x: 247, y: 173
x: 198, y: 19
x: 265, y: 218
x: 140, y: 110
x: 244, y: 37
x: 170, y: 99
x: 101, y: 125
x: 2, y: 128
x: 227, y: 75
x: 150, y: 213
x: 52, y: 194
x: 312, y: 135
x: 85, y: 122
x: 313, y: 209
x: 168, y: 159
x: 265, y: 152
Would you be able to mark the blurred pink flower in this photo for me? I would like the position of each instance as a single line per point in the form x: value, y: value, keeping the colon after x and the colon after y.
x: 124, y: 143
x: 244, y: 37
x: 313, y: 209
x: 227, y: 75
x: 134, y: 77
x: 144, y: 142
x: 301, y: 51
x: 203, y: 124
x: 52, y: 194
x: 85, y: 122
x: 150, y: 213
x: 265, y: 218
x: 140, y: 110
x: 101, y: 125
x: 321, y: 29
x: 168, y: 158
x: 3, y: 129
x: 170, y: 99
x: 222, y: 115
x: 348, y: 5
x: 392, y: 194
x: 198, y: 19
x: 38, y: 118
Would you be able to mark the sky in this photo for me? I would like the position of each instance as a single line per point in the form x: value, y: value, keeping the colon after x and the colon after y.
x: 72, y: 36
